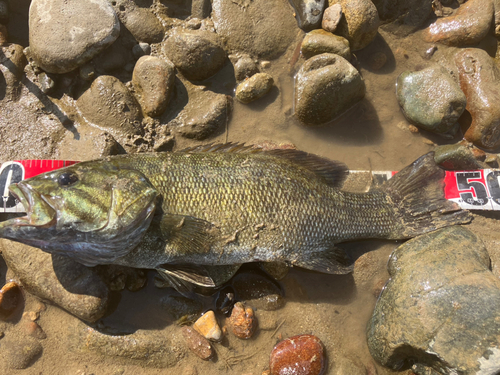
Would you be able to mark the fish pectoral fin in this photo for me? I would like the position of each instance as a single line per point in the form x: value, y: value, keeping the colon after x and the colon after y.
x: 331, y: 259
x: 188, y: 234
x: 196, y: 275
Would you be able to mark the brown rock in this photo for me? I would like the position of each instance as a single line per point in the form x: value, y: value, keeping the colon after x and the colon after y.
x: 331, y: 17
x: 34, y: 330
x: 242, y: 321
x: 254, y: 87
x: 59, y: 279
x: 208, y: 327
x: 480, y: 81
x: 359, y: 24
x: 197, y: 343
x: 153, y: 80
x: 320, y: 41
x: 298, y: 355
x: 10, y: 297
x: 469, y: 25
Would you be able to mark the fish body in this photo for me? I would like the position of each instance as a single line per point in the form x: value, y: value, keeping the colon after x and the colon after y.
x: 222, y: 205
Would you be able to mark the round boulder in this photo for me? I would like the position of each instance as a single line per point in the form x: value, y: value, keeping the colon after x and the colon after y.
x: 431, y: 99
x: 326, y: 85
x: 198, y: 54
x: 64, y: 35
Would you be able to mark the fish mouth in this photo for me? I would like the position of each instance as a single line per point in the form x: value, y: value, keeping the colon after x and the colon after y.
x: 39, y: 213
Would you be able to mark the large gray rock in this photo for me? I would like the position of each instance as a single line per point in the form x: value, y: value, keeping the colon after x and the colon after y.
x: 326, y: 86
x: 198, y: 54
x: 64, y: 35
x: 263, y: 28
x: 440, y: 309
x: 431, y: 99
x: 110, y: 106
x: 58, y: 279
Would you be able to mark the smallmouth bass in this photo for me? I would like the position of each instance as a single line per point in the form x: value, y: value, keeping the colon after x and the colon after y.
x: 221, y: 205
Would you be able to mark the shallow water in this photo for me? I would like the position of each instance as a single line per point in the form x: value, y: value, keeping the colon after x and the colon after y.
x: 372, y: 135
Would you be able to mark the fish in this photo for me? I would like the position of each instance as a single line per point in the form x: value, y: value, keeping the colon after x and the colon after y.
x: 192, y: 213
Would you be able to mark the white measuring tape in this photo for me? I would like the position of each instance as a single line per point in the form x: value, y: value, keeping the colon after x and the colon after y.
x: 472, y: 190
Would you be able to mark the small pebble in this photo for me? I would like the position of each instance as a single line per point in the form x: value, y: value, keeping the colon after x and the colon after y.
x: 141, y: 49
x: 254, y: 88
x: 378, y: 60
x: 31, y: 315
x: 10, y: 297
x: 34, y: 330
x: 298, y: 355
x: 331, y: 17
x: 208, y: 327
x: 242, y: 321
x: 412, y: 128
x: 46, y: 82
x: 197, y: 343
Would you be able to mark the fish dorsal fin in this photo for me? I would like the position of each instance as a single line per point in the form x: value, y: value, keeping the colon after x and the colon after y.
x: 333, y: 172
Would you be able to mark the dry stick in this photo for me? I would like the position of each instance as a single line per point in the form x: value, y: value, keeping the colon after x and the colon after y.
x: 278, y: 327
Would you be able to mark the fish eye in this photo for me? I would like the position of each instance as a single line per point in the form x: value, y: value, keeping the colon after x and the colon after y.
x: 67, y: 179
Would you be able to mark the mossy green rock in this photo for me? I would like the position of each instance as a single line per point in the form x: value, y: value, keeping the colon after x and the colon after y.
x: 431, y: 99
x: 441, y: 308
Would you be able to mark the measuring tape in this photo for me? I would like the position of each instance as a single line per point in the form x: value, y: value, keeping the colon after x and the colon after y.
x: 472, y: 190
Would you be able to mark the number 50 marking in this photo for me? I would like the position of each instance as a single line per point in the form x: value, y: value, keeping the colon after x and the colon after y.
x: 477, y: 194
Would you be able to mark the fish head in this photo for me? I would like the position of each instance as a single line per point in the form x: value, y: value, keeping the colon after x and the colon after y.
x: 92, y: 212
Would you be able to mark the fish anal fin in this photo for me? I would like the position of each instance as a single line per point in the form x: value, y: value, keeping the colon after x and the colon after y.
x: 187, y: 234
x: 331, y: 259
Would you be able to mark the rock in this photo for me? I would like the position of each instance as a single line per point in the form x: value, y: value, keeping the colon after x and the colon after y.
x: 10, y: 298
x: 242, y: 321
x: 141, y: 22
x: 258, y: 289
x: 178, y: 307
x: 277, y: 270
x: 65, y: 35
x: 208, y: 327
x: 152, y: 348
x: 197, y: 343
x: 479, y: 80
x: 431, y: 99
x: 309, y: 13
x: 56, y: 278
x: 298, y: 355
x: 19, y: 352
x: 153, y: 80
x: 331, y: 17
x: 468, y: 26
x: 114, y: 58
x: 119, y: 277
x: 406, y: 15
x: 198, y: 54
x: 141, y: 49
x: 34, y: 330
x: 189, y: 370
x: 254, y: 87
x: 441, y: 291
x: 260, y: 28
x: 12, y: 63
x: 377, y: 61
x: 458, y: 157
x: 320, y: 41
x: 110, y: 106
x: 359, y: 24
x: 245, y: 67
x: 205, y: 114
x: 225, y: 299
x: 326, y: 86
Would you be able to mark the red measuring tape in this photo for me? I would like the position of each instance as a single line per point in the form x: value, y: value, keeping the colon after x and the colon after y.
x: 472, y: 190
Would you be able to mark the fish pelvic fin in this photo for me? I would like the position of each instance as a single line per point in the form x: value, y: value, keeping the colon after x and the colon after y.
x: 330, y: 259
x: 417, y: 192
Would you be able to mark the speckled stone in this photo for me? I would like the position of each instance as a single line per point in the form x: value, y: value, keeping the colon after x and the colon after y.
x: 242, y: 321
x: 431, y: 99
x: 198, y: 344
x: 254, y: 87
x: 298, y: 355
x: 441, y: 291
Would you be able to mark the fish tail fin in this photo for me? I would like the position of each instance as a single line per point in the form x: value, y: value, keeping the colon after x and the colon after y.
x: 417, y: 193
